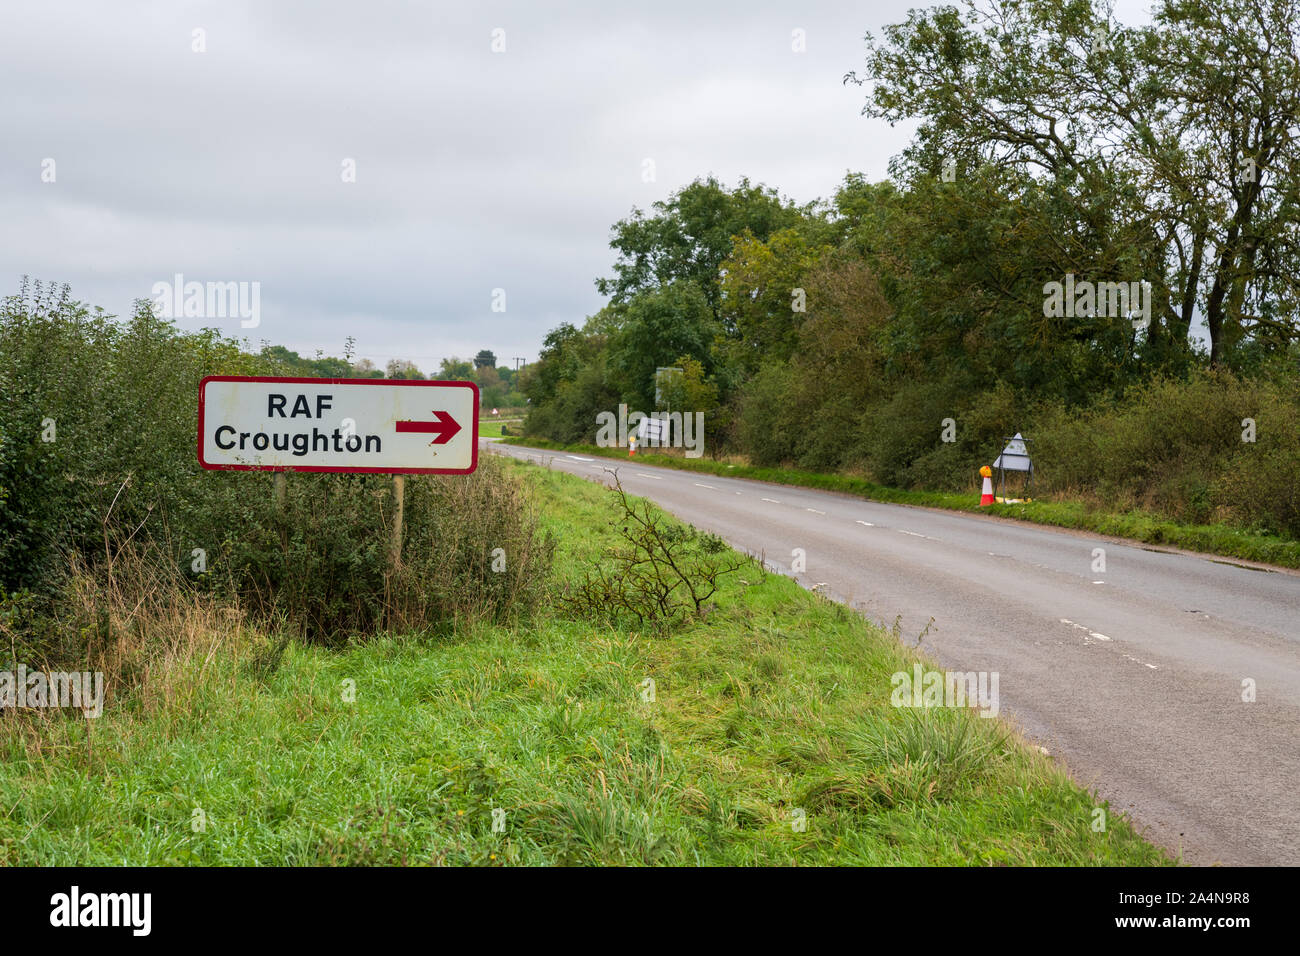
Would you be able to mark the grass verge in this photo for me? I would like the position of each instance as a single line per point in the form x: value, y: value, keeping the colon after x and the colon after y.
x: 1140, y: 526
x: 490, y: 428
x: 399, y: 750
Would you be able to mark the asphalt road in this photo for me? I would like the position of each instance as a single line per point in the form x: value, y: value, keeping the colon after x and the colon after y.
x: 1134, y: 676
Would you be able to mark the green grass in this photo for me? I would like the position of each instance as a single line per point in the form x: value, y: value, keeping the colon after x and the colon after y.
x: 778, y: 702
x: 1141, y: 526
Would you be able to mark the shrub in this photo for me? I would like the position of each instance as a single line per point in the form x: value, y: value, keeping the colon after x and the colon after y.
x: 1176, y: 448
x: 121, y: 481
x: 664, y: 573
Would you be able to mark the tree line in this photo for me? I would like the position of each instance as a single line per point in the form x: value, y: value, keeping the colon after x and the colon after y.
x: 498, y: 385
x: 1053, y: 144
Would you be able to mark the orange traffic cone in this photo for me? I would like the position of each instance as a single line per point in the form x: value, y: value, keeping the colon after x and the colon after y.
x: 986, y: 495
x: 631, y: 447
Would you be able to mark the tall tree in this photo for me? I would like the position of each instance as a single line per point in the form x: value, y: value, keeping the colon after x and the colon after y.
x: 454, y: 370
x: 1175, y: 140
x: 689, y: 235
x: 764, y: 296
x: 657, y: 328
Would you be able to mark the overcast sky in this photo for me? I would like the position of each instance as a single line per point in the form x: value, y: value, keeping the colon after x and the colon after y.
x: 475, y: 170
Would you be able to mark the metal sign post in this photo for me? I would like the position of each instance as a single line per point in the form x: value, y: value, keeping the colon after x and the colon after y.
x: 1014, y: 457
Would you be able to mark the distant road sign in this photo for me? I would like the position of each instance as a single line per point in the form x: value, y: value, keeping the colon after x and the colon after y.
x: 652, y: 430
x: 365, y: 425
x: 1015, y: 457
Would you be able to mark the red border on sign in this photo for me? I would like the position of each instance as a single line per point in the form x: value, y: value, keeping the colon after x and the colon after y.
x: 404, y: 382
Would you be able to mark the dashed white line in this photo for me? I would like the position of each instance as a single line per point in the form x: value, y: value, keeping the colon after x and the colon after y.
x: 698, y: 485
x: 1103, y: 637
x: 773, y: 500
x: 814, y: 511
x: 867, y: 523
x: 642, y: 474
x: 1143, y: 663
x: 912, y: 533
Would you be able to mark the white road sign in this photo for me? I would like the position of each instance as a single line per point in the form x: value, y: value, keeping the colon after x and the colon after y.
x: 388, y: 426
x: 1015, y: 457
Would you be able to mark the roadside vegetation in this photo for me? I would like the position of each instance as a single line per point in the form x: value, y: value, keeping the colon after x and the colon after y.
x: 552, y: 674
x: 1060, y: 511
x: 898, y: 332
x: 98, y: 474
x: 241, y: 748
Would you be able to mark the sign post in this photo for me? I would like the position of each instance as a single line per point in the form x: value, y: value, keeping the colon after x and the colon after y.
x: 350, y: 425
x: 1014, y: 457
x: 399, y: 510
x: 347, y: 425
x: 281, y: 502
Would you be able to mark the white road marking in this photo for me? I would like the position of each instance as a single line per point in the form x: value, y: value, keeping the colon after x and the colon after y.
x: 698, y: 485
x: 867, y: 523
x: 773, y: 500
x: 576, y: 458
x: 1102, y: 637
x: 912, y: 533
x: 814, y: 511
x: 1143, y: 663
x: 642, y: 474
x: 1098, y: 582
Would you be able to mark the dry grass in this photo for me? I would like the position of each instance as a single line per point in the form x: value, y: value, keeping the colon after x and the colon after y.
x: 150, y: 633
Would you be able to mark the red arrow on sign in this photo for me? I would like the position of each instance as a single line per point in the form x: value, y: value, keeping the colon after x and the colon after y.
x: 445, y: 428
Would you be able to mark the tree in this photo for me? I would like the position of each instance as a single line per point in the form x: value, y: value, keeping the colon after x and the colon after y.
x: 401, y: 368
x: 690, y: 391
x: 763, y: 295
x: 688, y: 237
x: 657, y: 328
x: 455, y: 370
x: 1175, y: 141
x: 485, y: 359
x: 486, y: 377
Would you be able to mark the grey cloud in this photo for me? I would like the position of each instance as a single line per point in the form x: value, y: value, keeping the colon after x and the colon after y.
x: 475, y: 170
